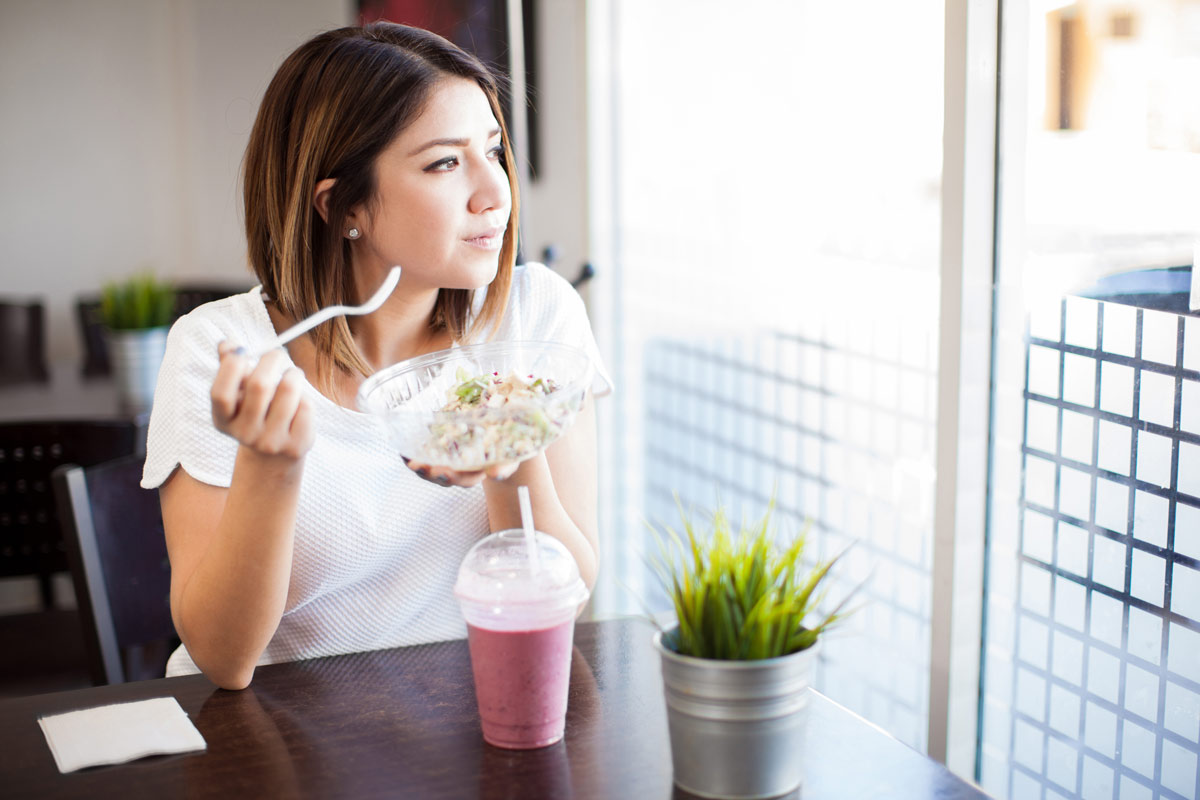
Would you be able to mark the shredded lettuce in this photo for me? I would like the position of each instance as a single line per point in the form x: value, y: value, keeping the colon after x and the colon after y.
x: 490, y: 419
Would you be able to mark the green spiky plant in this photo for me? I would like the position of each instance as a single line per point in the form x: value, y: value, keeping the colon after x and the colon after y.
x: 739, y: 595
x: 136, y: 303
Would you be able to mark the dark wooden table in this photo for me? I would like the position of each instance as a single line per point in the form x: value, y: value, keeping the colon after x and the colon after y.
x: 402, y: 723
x: 66, y: 396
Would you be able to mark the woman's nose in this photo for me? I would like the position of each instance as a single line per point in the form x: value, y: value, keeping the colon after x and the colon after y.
x: 491, y: 190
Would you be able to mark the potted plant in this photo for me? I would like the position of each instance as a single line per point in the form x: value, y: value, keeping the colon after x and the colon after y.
x: 136, y: 313
x: 736, y: 666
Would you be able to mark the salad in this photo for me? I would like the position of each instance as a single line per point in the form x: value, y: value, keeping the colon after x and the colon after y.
x: 490, y: 419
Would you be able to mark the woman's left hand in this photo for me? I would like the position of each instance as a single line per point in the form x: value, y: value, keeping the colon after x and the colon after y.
x: 444, y: 476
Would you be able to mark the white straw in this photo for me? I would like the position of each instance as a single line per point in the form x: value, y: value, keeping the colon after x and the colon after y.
x: 527, y: 523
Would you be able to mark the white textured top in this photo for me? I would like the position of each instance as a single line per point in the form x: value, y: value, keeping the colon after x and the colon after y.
x: 377, y: 548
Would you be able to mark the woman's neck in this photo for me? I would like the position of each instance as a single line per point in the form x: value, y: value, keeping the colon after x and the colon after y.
x: 398, y: 330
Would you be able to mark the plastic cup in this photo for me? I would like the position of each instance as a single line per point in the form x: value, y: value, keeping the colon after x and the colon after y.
x: 520, y: 628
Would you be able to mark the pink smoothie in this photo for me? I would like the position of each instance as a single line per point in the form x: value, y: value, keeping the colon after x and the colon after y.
x: 521, y: 682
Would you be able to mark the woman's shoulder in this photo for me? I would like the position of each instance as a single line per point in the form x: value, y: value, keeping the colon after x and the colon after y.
x: 541, y: 297
x: 241, y: 317
x: 533, y: 279
x: 542, y: 304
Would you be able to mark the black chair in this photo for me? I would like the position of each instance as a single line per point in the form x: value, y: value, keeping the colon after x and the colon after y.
x: 118, y: 554
x: 91, y: 326
x: 23, y: 353
x: 190, y: 295
x: 31, y: 541
x: 95, y: 349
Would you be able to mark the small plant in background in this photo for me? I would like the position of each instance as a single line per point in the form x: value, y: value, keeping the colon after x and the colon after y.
x: 136, y: 303
x: 738, y: 595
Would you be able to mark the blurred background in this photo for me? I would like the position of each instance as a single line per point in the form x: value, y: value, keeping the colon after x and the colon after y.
x: 840, y: 250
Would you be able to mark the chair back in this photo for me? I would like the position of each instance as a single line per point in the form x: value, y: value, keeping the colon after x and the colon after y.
x: 118, y: 554
x: 31, y: 541
x: 23, y: 355
x: 192, y: 295
x: 95, y: 348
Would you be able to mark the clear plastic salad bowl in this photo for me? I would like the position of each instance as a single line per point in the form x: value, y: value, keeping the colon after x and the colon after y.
x: 470, y: 407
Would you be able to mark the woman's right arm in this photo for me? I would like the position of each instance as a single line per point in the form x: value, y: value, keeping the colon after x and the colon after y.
x: 231, y: 549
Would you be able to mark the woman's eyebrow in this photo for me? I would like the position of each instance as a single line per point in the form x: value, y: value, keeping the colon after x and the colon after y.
x: 451, y: 142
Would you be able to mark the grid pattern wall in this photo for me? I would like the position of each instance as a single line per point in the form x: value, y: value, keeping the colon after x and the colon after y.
x: 1104, y: 690
x: 843, y: 436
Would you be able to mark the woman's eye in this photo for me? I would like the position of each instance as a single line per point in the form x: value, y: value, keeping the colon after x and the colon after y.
x: 496, y: 152
x: 444, y: 165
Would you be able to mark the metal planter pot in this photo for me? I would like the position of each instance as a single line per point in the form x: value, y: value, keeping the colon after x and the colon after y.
x: 737, y: 727
x: 136, y: 356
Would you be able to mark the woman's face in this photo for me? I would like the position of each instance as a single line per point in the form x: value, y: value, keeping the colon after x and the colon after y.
x: 442, y: 197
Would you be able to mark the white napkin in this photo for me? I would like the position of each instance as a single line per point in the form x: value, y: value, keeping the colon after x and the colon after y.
x: 119, y: 733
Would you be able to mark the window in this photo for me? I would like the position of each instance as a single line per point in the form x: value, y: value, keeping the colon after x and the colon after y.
x: 1092, y: 666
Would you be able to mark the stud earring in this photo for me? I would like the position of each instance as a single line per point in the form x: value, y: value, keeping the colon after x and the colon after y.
x: 353, y: 233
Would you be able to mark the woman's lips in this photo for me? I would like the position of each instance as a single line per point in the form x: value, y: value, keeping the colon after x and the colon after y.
x: 490, y: 239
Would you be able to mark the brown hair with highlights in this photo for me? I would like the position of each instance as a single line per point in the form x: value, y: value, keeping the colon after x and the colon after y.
x: 333, y: 106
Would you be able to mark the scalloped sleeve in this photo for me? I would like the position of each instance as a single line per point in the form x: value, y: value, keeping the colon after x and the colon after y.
x: 181, y: 429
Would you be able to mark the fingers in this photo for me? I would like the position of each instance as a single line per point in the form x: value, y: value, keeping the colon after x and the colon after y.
x: 262, y: 405
x: 444, y: 477
x: 449, y: 477
x: 464, y: 479
x: 260, y: 386
x: 302, y: 427
x: 285, y: 405
x: 502, y: 472
x: 226, y: 388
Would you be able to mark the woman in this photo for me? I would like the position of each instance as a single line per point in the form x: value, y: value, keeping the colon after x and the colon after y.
x: 294, y: 531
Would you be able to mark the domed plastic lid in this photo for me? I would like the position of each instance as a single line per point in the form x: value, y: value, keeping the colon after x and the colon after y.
x: 499, y: 589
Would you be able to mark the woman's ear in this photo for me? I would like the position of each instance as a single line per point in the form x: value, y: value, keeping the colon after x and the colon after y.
x: 321, y: 197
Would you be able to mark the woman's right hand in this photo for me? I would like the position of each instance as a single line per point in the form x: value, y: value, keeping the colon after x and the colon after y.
x: 262, y: 405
